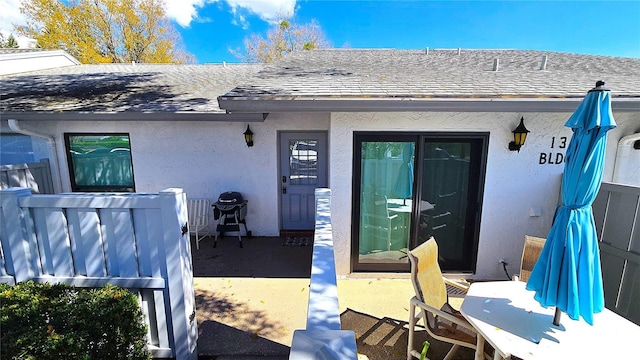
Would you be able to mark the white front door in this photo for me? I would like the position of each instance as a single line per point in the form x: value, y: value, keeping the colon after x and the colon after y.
x: 303, y: 168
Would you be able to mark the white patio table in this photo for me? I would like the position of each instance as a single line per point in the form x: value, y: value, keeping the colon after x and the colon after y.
x: 515, y: 324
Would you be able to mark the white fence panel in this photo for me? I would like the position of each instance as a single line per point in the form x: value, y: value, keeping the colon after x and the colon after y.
x: 36, y: 176
x: 136, y: 241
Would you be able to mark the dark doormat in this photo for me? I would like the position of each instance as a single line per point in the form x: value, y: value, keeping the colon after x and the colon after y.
x: 298, y: 241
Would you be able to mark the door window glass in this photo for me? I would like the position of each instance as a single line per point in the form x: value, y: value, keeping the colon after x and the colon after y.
x: 303, y: 162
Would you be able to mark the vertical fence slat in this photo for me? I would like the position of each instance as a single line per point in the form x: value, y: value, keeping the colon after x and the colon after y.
x: 78, y: 252
x: 119, y: 245
x: 141, y: 225
x: 16, y: 246
x: 92, y: 242
x: 173, y: 204
x: 86, y: 242
x: 6, y: 265
x: 126, y: 246
x: 3, y: 265
x: 29, y: 233
x: 42, y: 236
x: 43, y: 178
x: 108, y: 236
x: 162, y: 320
x: 56, y: 227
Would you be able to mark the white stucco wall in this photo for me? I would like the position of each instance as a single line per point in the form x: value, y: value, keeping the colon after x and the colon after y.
x: 208, y: 158
x: 520, y: 194
x: 203, y: 158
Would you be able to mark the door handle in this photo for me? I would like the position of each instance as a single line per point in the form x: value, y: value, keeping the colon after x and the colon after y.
x: 284, y: 189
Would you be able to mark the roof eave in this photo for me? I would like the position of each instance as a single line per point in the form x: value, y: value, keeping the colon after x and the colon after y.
x: 260, y: 105
x: 130, y: 116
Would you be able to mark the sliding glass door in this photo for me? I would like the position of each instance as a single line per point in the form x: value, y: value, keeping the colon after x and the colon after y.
x: 385, y: 198
x: 409, y: 187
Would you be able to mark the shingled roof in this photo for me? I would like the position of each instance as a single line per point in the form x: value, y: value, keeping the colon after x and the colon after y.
x: 122, y: 90
x: 323, y: 80
x: 349, y: 79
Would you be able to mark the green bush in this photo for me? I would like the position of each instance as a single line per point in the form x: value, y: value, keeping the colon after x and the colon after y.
x: 43, y: 321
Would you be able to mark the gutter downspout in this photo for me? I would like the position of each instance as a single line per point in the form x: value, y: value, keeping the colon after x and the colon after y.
x: 57, y: 182
x: 625, y: 147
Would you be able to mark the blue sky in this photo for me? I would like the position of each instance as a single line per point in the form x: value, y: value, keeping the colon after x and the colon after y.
x: 591, y: 27
x: 210, y: 28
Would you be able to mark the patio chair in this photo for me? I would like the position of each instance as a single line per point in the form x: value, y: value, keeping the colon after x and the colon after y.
x: 530, y: 254
x: 378, y: 223
x: 441, y: 321
x: 198, y: 210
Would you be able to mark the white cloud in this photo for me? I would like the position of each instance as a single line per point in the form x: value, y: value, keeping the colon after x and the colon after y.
x: 185, y: 11
x: 239, y: 20
x: 267, y: 10
x: 10, y: 15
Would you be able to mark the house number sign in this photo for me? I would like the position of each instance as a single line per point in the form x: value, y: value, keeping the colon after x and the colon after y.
x: 554, y: 157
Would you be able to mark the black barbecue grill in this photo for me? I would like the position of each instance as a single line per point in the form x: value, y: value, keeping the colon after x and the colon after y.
x: 230, y: 211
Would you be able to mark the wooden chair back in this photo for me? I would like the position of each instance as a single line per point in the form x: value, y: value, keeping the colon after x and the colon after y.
x: 530, y: 254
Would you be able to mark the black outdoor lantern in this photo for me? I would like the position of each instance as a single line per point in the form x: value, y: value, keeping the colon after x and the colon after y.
x: 519, y: 136
x: 248, y: 137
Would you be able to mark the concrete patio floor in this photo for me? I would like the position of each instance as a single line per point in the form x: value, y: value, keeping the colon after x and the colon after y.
x: 251, y: 300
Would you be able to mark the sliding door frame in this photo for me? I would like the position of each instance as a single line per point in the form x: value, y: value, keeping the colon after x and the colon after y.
x: 419, y: 139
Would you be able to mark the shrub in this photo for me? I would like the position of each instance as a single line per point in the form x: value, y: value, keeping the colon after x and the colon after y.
x: 44, y: 321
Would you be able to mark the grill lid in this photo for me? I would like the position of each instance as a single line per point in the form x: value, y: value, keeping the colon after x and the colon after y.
x: 230, y: 198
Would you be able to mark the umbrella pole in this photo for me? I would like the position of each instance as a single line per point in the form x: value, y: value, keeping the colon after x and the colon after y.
x: 556, y: 317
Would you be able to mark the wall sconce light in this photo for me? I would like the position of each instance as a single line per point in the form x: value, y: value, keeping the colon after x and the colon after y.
x: 519, y: 136
x: 248, y: 137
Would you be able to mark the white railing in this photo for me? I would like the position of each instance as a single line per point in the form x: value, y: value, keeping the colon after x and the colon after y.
x: 617, y: 214
x: 323, y: 338
x: 136, y: 241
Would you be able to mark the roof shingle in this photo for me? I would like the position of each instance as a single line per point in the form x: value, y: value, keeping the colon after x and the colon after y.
x: 329, y: 74
x: 440, y: 73
x: 122, y: 87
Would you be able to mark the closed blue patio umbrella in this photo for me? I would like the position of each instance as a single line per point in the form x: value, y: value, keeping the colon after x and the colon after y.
x: 567, y: 274
x: 403, y: 188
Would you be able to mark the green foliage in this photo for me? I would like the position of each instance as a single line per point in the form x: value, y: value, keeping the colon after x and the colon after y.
x: 285, y: 25
x: 10, y: 42
x: 105, y: 31
x: 43, y: 321
x: 381, y: 149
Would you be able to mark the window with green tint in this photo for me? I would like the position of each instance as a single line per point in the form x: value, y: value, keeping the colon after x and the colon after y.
x: 100, y: 162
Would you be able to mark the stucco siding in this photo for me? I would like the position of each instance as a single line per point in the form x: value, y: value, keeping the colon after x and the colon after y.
x: 203, y: 158
x: 520, y: 192
x: 207, y: 158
